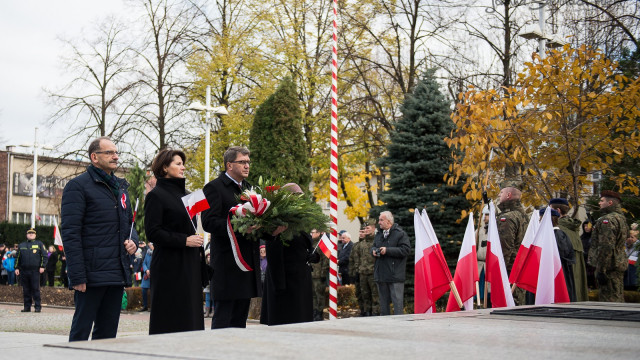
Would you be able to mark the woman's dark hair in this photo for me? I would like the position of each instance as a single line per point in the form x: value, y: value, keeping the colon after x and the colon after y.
x: 164, y: 158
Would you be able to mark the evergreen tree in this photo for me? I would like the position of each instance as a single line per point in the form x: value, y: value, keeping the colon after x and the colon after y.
x: 276, y: 141
x: 416, y: 162
x: 136, y: 179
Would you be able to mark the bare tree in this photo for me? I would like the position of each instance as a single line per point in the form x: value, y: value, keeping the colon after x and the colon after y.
x: 170, y: 29
x: 97, y: 101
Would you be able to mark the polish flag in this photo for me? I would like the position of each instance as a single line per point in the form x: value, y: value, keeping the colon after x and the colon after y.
x: 432, y: 276
x: 551, y: 287
x: 195, y: 203
x: 633, y: 259
x: 524, y: 280
x: 57, y: 239
x: 326, y: 245
x: 466, y: 273
x: 496, y: 270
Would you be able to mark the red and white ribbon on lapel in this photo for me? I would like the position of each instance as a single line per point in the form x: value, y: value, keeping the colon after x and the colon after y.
x: 255, y: 205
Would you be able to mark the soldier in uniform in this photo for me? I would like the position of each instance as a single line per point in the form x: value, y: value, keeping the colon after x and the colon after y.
x: 319, y: 274
x: 512, y: 224
x: 607, y: 253
x: 365, y: 271
x: 30, y: 263
x: 354, y: 261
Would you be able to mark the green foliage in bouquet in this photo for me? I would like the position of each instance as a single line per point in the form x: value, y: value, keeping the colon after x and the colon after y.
x: 295, y: 211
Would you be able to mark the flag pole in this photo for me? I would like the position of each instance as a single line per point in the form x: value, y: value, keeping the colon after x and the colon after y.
x: 133, y: 221
x: 485, y: 199
x: 191, y: 221
x: 333, y: 196
x: 445, y: 268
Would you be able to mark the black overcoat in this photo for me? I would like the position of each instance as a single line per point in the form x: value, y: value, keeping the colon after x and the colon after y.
x: 175, y: 274
x: 288, y: 294
x: 229, y: 282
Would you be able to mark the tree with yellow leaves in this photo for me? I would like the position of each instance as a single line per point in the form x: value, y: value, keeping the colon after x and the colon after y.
x: 568, y: 116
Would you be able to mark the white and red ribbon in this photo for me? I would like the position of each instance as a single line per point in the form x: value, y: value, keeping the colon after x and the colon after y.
x: 237, y: 255
x: 255, y: 205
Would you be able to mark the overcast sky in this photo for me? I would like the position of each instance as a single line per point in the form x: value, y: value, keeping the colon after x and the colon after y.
x: 29, y: 60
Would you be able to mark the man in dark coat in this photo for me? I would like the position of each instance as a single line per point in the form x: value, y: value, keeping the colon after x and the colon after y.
x: 232, y: 287
x: 96, y: 220
x: 343, y: 257
x: 390, y: 247
x: 31, y: 261
x: 51, y: 265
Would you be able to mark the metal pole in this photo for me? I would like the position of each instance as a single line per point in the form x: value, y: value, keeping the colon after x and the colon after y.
x: 35, y: 179
x: 207, y: 137
x: 542, y: 42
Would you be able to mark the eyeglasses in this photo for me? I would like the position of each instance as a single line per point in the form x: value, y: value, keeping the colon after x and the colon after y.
x: 108, y: 153
x: 242, y: 162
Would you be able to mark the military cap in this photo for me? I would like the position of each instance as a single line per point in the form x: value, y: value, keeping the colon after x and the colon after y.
x: 31, y: 231
x: 370, y: 221
x: 516, y: 184
x: 610, y: 194
x: 559, y: 201
x: 554, y: 212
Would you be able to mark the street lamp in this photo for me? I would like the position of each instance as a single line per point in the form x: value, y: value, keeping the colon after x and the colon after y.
x: 219, y: 110
x: 538, y: 32
x: 34, y: 187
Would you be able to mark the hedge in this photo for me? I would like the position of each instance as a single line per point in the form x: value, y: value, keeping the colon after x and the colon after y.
x: 11, y: 233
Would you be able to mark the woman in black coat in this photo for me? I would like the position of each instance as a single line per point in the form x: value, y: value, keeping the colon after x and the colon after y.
x: 176, y: 284
x: 287, y: 295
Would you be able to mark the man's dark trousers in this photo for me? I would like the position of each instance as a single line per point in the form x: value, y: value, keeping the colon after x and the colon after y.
x: 100, y: 304
x: 30, y: 280
x: 230, y: 313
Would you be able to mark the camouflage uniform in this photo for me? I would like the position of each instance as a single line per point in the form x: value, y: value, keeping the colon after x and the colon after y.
x: 607, y: 253
x: 368, y: 287
x: 353, y: 274
x: 512, y: 224
x: 319, y: 274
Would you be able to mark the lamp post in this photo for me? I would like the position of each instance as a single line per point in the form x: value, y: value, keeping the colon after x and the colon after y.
x: 34, y: 187
x: 219, y: 110
x: 540, y: 34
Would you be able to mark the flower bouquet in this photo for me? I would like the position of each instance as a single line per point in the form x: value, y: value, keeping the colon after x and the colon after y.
x: 266, y: 206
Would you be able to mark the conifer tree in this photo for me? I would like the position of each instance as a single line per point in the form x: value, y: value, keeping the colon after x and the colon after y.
x: 416, y: 163
x: 276, y: 140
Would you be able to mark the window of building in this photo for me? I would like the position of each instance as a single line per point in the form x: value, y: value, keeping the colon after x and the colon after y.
x: 25, y: 218
x: 21, y: 218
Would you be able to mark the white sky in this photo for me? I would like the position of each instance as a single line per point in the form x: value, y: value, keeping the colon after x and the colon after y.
x: 29, y: 60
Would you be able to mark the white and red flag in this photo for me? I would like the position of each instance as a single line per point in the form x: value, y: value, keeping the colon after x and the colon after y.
x: 526, y: 280
x: 432, y: 276
x: 57, y: 239
x: 496, y: 269
x: 551, y: 286
x: 326, y: 245
x: 195, y: 202
x: 466, y: 273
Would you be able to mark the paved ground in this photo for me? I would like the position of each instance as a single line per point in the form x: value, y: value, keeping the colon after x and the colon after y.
x: 474, y: 334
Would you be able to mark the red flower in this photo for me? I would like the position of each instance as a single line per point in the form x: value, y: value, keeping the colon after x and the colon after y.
x: 244, y: 197
x: 271, y: 188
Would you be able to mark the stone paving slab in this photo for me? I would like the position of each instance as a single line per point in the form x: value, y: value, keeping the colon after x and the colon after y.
x: 475, y: 334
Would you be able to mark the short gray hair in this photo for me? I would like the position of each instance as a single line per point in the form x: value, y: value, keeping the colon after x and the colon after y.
x: 232, y: 153
x: 387, y: 215
x: 95, y: 144
x: 346, y: 234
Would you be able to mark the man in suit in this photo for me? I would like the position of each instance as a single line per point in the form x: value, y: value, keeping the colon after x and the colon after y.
x: 343, y: 257
x: 236, y: 264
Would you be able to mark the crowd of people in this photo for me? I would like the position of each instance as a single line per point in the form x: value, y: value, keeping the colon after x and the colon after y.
x: 103, y: 255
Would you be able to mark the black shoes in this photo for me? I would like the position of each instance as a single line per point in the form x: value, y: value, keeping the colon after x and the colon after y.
x: 25, y: 310
x: 37, y: 310
x: 143, y: 309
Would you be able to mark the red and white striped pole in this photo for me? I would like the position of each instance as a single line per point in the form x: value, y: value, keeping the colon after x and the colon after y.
x: 333, y: 268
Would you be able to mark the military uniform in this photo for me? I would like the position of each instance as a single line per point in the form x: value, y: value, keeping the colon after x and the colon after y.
x: 364, y: 262
x: 31, y: 257
x: 571, y: 227
x: 607, y: 253
x: 512, y: 225
x: 354, y: 276
x: 319, y: 274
